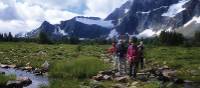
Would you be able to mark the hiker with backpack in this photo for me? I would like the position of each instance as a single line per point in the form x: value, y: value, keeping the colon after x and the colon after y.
x: 113, y: 53
x: 141, y: 54
x: 121, y: 54
x: 132, y: 59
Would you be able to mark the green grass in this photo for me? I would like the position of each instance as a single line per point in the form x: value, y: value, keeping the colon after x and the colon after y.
x: 185, y: 60
x: 5, y: 78
x: 73, y: 64
x: 81, y: 68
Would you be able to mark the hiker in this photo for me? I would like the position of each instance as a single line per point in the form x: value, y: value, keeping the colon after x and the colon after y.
x: 113, y: 53
x: 141, y: 54
x: 121, y: 54
x: 132, y: 59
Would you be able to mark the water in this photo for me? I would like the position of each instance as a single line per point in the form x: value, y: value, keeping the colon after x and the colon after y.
x: 37, y: 81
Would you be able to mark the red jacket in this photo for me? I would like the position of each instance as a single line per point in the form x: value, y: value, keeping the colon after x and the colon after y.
x: 132, y: 53
x: 112, y: 50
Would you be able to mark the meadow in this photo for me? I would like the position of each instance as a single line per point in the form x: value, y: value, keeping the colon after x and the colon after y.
x: 74, y: 65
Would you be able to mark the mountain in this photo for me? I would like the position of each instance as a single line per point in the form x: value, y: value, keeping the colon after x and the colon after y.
x: 140, y: 18
x: 82, y: 27
x: 148, y: 17
x: 119, y: 12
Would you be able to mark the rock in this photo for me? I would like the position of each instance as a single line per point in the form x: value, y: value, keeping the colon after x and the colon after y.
x: 45, y: 66
x: 24, y: 81
x: 165, y: 67
x: 178, y: 81
x: 96, y: 84
x: 119, y: 86
x: 107, y: 77
x: 142, y: 78
x: 134, y: 83
x: 123, y: 79
x: 117, y: 74
x: 169, y: 73
x: 12, y: 66
x: 29, y: 68
x: 14, y: 84
x: 4, y: 66
x: 99, y: 77
x: 109, y: 72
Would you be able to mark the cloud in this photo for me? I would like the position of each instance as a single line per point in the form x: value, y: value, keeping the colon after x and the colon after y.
x: 101, y: 8
x: 25, y: 15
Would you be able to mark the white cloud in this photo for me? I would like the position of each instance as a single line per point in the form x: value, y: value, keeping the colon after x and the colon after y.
x: 24, y: 15
x: 101, y: 8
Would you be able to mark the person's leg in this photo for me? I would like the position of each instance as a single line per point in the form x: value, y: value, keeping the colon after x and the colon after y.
x: 136, y: 65
x: 142, y: 62
x: 121, y: 65
x: 125, y: 66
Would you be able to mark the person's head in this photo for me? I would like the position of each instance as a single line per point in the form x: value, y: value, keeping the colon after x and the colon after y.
x: 141, y: 42
x: 113, y: 44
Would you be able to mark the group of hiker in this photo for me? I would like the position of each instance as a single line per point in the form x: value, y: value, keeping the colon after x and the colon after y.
x: 127, y: 56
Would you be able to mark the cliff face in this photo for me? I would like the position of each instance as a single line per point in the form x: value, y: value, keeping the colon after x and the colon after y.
x: 159, y: 15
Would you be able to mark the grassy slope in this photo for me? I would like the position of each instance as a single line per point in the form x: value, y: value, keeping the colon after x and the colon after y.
x: 185, y: 60
x: 62, y: 57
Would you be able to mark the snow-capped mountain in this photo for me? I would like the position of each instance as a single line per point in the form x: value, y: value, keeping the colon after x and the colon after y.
x: 119, y: 12
x: 140, y: 18
x: 82, y: 27
x: 149, y: 17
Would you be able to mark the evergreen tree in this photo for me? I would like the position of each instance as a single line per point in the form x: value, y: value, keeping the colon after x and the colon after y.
x: 43, y: 38
x: 1, y: 37
x: 10, y: 37
x: 5, y: 37
x: 74, y: 40
x: 197, y: 36
x: 171, y: 38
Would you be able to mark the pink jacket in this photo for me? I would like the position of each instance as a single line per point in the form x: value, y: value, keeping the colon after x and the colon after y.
x: 131, y: 53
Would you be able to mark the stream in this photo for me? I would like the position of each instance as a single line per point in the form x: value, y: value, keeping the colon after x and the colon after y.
x: 37, y: 81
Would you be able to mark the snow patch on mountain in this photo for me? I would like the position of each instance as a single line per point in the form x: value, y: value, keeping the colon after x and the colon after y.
x: 146, y: 33
x: 106, y: 24
x: 143, y: 12
x: 175, y: 8
x: 147, y: 12
x: 59, y: 31
x: 113, y: 33
x: 126, y: 10
x: 194, y: 19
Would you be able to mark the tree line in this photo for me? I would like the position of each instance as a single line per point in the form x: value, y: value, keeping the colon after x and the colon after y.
x: 165, y: 38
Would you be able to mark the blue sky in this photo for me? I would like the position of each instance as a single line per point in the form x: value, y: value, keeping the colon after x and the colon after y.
x: 25, y: 15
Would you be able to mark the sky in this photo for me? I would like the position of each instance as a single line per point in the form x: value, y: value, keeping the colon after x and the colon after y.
x: 25, y: 15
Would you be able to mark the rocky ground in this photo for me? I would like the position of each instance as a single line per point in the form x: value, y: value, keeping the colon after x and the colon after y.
x: 166, y: 76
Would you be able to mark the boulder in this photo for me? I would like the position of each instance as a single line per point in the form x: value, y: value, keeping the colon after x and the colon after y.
x: 169, y: 73
x: 4, y: 66
x: 123, y: 79
x: 12, y: 66
x: 28, y: 68
x: 117, y: 74
x: 14, y: 84
x: 45, y: 66
x: 24, y: 81
x: 99, y: 77
x: 107, y: 77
